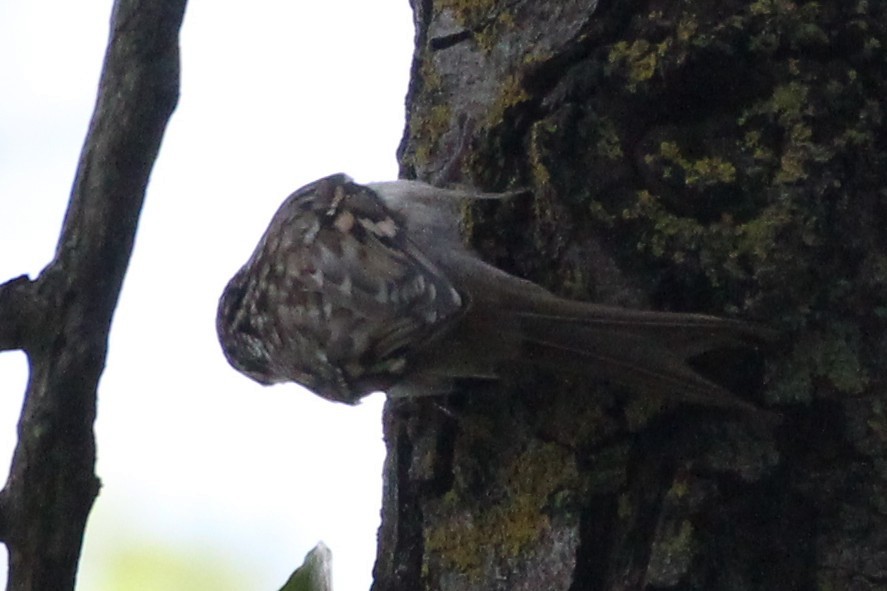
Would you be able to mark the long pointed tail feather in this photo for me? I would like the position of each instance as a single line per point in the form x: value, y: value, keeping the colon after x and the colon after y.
x: 644, y: 351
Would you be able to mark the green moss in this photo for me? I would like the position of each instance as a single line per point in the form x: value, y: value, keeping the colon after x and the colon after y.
x: 789, y: 101
x: 467, y: 221
x: 427, y: 129
x: 786, y: 21
x: 432, y: 82
x: 699, y: 173
x: 790, y: 110
x: 832, y: 355
x: 512, y: 93
x: 687, y: 28
x: 670, y: 236
x: 710, y: 171
x: 608, y: 143
x: 468, y: 13
x: 432, y: 119
x: 464, y: 534
x: 489, y: 36
x: 656, y: 50
x: 758, y: 236
x: 637, y: 58
x: 486, y: 19
x: 752, y: 144
x: 762, y: 8
x: 539, y: 135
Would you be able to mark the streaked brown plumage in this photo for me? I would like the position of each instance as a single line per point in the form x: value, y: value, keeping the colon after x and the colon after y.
x: 357, y: 288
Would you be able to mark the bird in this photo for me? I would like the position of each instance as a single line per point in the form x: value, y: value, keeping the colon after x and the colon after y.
x: 357, y: 288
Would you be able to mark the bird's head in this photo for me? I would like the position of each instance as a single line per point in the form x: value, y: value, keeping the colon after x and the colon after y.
x: 252, y: 345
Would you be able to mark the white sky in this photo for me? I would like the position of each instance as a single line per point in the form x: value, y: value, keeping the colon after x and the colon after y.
x: 191, y: 454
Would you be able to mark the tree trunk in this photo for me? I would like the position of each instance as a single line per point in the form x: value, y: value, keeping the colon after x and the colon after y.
x: 726, y: 158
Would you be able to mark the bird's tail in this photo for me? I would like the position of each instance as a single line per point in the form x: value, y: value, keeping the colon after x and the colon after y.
x: 647, y: 352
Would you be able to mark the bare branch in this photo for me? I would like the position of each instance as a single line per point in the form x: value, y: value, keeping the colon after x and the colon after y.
x: 16, y: 312
x: 52, y: 484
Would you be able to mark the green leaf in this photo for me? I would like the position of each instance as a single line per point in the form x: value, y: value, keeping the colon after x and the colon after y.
x: 314, y: 574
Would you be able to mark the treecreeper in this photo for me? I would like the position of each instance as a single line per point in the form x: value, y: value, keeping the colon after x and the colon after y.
x: 358, y: 288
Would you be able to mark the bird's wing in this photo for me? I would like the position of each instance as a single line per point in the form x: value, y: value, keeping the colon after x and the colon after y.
x: 379, y: 297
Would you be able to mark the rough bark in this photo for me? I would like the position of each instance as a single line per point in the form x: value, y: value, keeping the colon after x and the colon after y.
x: 62, y: 318
x: 721, y: 157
